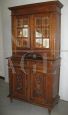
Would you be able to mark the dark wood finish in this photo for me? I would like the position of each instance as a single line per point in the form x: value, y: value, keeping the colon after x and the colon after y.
x: 34, y: 67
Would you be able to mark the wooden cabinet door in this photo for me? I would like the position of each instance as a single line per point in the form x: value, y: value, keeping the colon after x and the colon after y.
x: 41, y: 31
x: 38, y: 88
x: 21, y: 32
x: 19, y: 84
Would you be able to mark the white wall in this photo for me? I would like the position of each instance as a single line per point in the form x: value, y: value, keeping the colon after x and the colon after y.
x: 64, y: 41
x: 1, y: 48
x: 64, y: 52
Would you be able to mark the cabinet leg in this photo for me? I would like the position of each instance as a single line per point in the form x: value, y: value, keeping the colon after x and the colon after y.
x: 11, y: 99
x: 8, y: 95
x: 49, y: 111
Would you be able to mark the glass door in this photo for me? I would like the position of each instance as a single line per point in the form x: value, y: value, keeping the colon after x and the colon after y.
x: 22, y: 32
x: 42, y: 31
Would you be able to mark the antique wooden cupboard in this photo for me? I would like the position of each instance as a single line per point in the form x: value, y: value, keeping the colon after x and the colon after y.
x: 34, y: 66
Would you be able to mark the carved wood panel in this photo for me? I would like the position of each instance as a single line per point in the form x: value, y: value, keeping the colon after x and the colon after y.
x: 38, y: 88
x: 19, y: 84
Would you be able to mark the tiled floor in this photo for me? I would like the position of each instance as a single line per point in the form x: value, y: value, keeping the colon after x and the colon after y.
x: 23, y: 108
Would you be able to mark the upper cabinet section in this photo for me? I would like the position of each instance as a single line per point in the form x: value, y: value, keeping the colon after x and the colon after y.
x: 36, y: 27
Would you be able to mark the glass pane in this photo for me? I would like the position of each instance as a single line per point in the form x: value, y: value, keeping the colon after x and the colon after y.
x: 22, y: 22
x: 25, y: 32
x: 18, y: 42
x: 38, y: 43
x: 38, y: 32
x: 19, y: 21
x: 38, y: 21
x: 46, y: 43
x: 25, y: 22
x: 19, y: 32
x: 45, y: 21
x: 26, y: 43
x: 45, y: 32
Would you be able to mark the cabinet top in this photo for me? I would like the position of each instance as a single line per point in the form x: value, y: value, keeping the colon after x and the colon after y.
x: 36, y: 5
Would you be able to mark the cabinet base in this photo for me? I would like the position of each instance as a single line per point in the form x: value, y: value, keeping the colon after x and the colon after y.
x: 48, y: 106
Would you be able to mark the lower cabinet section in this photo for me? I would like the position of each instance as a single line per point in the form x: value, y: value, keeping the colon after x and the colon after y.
x: 35, y: 86
x: 30, y: 87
